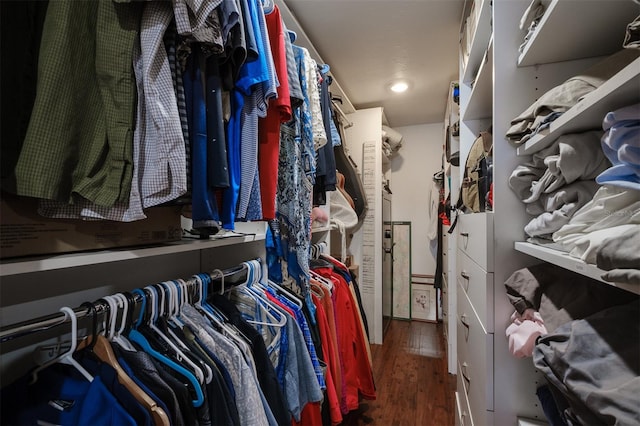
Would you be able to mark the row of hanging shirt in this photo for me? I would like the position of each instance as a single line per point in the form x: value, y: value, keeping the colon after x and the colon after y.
x: 141, y: 103
x: 252, y: 356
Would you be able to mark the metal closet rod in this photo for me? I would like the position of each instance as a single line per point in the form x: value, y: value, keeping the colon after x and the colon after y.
x: 47, y: 322
x: 342, y: 114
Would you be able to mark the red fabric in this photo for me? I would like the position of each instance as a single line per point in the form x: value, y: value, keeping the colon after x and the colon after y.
x: 279, y: 111
x: 279, y: 303
x: 327, y: 303
x: 352, y: 345
x: 328, y: 346
x: 311, y: 415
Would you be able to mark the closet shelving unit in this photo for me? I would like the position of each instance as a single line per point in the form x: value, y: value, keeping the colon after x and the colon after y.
x: 593, y: 39
x: 451, y: 185
x: 494, y: 387
x: 576, y: 41
x: 618, y: 91
x: 471, y: 280
x: 478, y: 32
x: 480, y: 103
x: 29, y: 265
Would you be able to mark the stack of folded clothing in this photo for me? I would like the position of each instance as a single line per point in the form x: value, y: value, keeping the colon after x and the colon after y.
x: 561, y: 98
x: 559, y: 180
x: 614, y: 211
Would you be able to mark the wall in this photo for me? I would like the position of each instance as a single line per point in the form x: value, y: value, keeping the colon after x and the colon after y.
x: 412, y: 170
x: 367, y: 127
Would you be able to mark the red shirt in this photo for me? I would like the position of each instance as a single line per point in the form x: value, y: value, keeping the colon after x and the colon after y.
x: 356, y: 368
x: 328, y: 346
x: 279, y: 112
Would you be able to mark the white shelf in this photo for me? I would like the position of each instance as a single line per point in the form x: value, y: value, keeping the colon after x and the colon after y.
x: 479, y: 42
x: 588, y: 29
x: 620, y: 90
x: 564, y: 260
x: 48, y: 263
x: 480, y: 103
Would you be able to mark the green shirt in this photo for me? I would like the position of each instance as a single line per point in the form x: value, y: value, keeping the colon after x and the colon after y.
x: 80, y: 137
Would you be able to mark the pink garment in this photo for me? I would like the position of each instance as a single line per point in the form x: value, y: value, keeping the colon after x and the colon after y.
x: 523, y: 332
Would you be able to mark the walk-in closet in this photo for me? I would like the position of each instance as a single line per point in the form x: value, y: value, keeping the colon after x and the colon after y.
x: 320, y: 213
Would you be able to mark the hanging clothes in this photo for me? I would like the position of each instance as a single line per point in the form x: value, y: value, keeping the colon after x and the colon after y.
x: 279, y: 112
x: 86, y: 49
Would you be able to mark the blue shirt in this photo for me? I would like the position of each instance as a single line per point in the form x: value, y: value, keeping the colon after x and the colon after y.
x: 62, y: 396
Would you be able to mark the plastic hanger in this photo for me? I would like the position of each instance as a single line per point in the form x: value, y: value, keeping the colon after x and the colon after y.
x: 67, y: 357
x: 174, y: 308
x: 140, y: 339
x: 119, y: 337
x: 216, y: 320
x: 322, y: 280
x: 157, y: 310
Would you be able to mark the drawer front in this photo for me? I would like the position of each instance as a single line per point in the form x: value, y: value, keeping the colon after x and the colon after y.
x: 463, y: 417
x: 478, y: 285
x: 475, y: 238
x: 475, y: 359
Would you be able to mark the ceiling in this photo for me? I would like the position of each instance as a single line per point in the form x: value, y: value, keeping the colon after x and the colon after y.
x: 369, y: 43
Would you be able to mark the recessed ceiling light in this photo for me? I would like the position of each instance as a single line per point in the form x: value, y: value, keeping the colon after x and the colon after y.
x: 399, y: 86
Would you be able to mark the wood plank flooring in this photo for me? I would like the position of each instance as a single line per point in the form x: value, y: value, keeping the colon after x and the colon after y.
x: 412, y: 383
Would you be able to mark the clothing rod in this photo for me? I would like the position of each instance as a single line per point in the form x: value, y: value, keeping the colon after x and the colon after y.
x: 337, y: 107
x: 47, y: 322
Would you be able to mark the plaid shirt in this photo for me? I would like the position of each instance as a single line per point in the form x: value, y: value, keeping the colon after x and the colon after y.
x: 79, y: 140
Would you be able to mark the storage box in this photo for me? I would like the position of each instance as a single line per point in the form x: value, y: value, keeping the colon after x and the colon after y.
x: 23, y: 232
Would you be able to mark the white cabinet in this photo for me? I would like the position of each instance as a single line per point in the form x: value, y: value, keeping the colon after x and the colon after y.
x: 451, y: 186
x: 475, y: 235
x: 475, y: 360
x: 497, y: 83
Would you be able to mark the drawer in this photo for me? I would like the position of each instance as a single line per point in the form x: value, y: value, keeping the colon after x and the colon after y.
x: 475, y: 238
x: 475, y: 359
x: 463, y: 418
x: 478, y: 285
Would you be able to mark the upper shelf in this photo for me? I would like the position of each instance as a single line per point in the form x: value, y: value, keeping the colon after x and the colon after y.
x: 564, y: 260
x: 480, y: 103
x: 569, y: 31
x: 70, y: 260
x: 621, y: 90
x: 479, y: 42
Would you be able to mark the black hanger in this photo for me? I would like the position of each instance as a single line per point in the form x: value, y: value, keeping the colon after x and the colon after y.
x: 91, y: 310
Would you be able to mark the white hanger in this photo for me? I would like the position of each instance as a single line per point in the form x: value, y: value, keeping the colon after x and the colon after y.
x: 285, y: 292
x: 118, y: 337
x: 154, y: 316
x: 67, y: 357
x: 198, y: 303
x: 174, y: 309
x: 325, y: 281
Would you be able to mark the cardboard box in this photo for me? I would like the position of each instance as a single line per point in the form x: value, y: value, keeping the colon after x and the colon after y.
x: 24, y: 233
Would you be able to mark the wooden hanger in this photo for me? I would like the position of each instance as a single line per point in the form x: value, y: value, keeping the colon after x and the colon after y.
x: 101, y: 347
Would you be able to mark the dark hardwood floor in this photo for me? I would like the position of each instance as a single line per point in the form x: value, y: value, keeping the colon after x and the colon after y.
x: 412, y: 383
